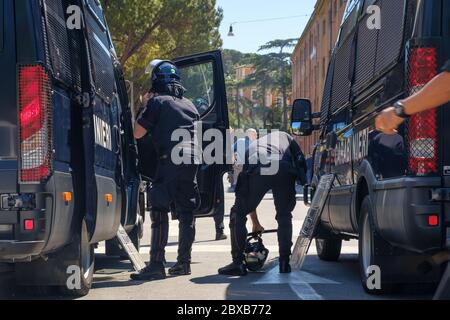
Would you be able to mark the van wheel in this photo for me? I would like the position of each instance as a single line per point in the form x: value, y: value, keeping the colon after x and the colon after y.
x: 85, y: 263
x: 329, y: 249
x: 368, y: 243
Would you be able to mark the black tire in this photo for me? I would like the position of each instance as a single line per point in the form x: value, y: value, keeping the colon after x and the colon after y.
x: 329, y: 249
x: 368, y: 244
x: 85, y: 262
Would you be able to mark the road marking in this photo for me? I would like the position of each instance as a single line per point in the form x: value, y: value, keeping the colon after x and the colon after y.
x: 305, y: 292
x: 299, y: 281
x: 210, y: 248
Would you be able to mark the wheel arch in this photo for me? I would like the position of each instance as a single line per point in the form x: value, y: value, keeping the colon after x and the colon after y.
x: 364, y: 187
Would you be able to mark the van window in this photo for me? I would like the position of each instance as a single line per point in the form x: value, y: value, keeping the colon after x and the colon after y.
x: 366, y: 51
x: 101, y: 53
x: 96, y: 10
x: 199, y: 83
x: 1, y: 25
x: 58, y: 42
x: 338, y: 122
x: 350, y: 19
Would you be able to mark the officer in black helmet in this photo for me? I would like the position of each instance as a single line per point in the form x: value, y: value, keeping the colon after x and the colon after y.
x: 175, y: 187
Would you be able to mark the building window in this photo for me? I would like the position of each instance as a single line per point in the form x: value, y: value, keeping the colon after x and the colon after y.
x: 254, y: 95
x: 279, y: 102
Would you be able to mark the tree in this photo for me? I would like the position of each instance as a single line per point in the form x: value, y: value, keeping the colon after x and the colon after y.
x: 263, y: 78
x: 281, y: 62
x: 143, y: 30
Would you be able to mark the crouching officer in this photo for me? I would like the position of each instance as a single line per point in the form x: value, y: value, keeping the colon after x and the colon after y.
x: 175, y: 187
x: 281, y: 151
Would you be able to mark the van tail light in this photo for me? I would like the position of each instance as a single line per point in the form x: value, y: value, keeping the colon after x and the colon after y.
x: 35, y: 123
x: 422, y: 127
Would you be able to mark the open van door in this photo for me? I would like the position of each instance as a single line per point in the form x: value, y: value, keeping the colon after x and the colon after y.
x: 203, y: 77
x: 100, y: 134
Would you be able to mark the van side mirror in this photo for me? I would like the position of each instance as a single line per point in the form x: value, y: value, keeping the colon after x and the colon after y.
x: 302, y: 118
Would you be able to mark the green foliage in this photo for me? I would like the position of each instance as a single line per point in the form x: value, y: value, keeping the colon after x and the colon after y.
x: 144, y: 30
x: 272, y: 74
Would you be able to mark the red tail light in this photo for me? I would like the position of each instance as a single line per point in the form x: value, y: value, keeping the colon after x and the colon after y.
x: 35, y: 123
x: 422, y: 127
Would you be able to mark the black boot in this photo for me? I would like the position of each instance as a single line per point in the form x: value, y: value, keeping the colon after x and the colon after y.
x: 159, y: 236
x: 180, y: 269
x: 234, y: 269
x: 285, y: 266
x: 220, y: 235
x: 154, y: 271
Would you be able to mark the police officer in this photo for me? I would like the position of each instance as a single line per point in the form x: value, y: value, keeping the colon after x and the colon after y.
x: 276, y: 150
x: 175, y: 187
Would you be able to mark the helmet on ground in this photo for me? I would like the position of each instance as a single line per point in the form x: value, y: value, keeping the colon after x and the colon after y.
x: 256, y: 254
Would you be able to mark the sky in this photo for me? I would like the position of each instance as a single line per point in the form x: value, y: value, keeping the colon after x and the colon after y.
x: 250, y: 36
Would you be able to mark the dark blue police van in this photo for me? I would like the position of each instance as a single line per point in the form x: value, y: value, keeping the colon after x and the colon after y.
x: 69, y: 172
x: 391, y: 192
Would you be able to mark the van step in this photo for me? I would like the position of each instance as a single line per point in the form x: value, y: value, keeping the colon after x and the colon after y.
x: 312, y: 221
x: 128, y: 246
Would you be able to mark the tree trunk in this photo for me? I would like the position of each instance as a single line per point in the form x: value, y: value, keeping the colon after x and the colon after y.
x: 238, y: 113
x: 285, y: 109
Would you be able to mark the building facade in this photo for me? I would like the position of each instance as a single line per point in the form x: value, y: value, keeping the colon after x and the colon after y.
x: 311, y: 57
x: 251, y: 94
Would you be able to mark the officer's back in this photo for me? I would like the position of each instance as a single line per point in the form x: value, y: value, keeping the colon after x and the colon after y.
x: 166, y: 115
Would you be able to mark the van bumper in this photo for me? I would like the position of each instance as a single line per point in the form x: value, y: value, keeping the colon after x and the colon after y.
x: 402, y: 211
x: 19, y: 251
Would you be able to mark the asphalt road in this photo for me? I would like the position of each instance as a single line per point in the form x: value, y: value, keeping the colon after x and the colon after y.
x: 318, y: 280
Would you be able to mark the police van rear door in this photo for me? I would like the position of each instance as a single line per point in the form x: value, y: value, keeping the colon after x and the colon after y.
x: 203, y: 77
x: 101, y: 133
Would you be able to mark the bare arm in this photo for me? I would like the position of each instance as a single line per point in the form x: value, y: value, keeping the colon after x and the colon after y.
x: 139, y: 131
x: 433, y: 95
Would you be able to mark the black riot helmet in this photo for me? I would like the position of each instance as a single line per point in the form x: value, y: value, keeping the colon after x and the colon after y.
x: 256, y: 253
x: 165, y: 78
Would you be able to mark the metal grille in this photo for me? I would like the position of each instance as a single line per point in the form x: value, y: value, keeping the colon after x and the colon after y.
x: 76, y: 46
x: 96, y: 7
x: 341, y: 82
x: 58, y: 41
x: 391, y: 34
x: 101, y: 60
x: 365, y: 55
x: 422, y: 130
x: 36, y: 123
x: 327, y: 95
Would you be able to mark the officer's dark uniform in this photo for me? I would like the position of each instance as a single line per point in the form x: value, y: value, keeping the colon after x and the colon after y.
x: 175, y: 186
x: 252, y: 186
